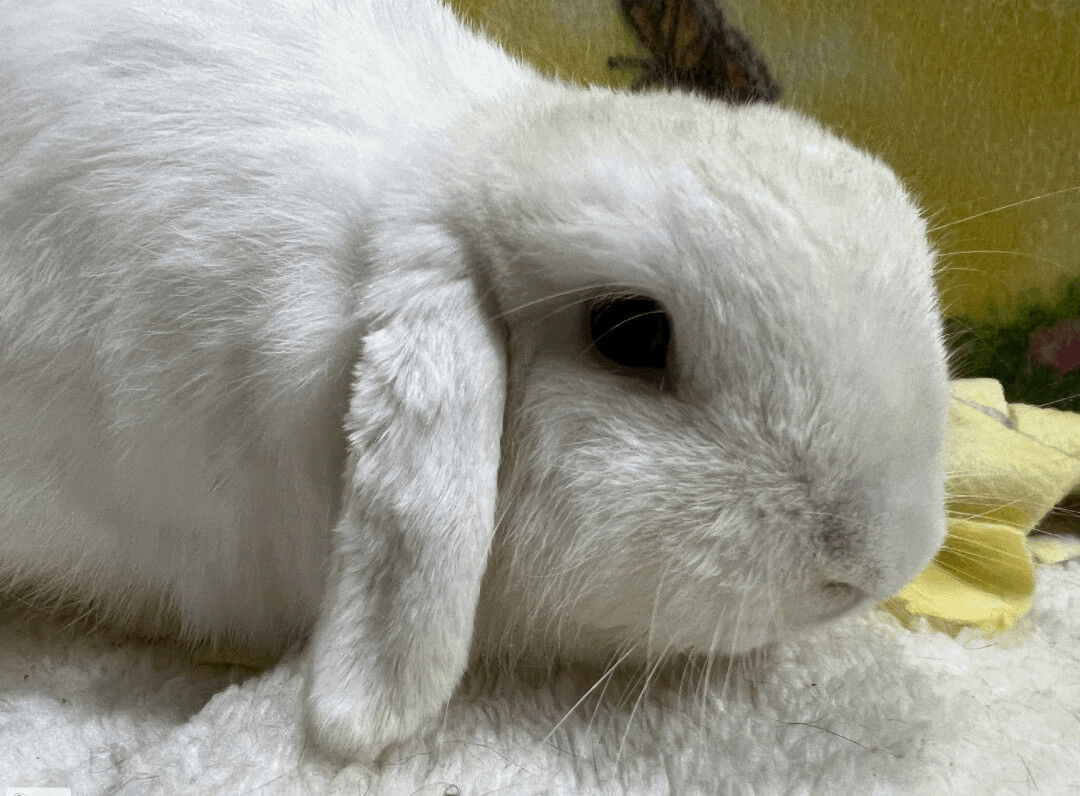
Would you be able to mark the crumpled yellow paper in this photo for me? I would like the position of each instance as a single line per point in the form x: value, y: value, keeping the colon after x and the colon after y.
x: 1008, y: 466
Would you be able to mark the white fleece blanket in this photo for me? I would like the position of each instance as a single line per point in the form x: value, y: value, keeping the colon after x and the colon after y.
x: 864, y: 706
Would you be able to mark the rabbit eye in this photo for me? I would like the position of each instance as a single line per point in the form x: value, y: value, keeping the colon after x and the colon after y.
x: 632, y: 331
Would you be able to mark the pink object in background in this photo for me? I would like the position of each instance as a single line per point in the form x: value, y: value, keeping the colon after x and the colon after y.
x: 1057, y: 347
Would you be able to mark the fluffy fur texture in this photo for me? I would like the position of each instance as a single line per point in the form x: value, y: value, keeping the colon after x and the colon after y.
x: 856, y: 707
x: 293, y: 304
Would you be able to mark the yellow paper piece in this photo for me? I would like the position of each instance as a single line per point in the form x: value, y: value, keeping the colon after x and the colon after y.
x: 1008, y: 466
x: 983, y: 577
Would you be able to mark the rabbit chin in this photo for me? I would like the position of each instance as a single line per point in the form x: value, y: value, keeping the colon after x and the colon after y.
x: 633, y: 618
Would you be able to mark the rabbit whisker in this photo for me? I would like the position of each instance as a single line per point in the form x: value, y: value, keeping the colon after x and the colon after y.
x: 606, y: 675
x: 1028, y: 200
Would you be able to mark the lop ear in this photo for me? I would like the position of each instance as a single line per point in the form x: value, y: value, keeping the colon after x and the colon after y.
x: 410, y: 547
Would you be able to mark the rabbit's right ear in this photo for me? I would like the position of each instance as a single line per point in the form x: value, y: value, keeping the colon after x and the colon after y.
x: 410, y: 548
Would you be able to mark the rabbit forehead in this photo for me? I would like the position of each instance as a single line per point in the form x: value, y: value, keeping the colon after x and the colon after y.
x: 737, y: 255
x: 676, y: 195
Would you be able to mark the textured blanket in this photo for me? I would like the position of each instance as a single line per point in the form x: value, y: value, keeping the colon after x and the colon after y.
x: 863, y: 706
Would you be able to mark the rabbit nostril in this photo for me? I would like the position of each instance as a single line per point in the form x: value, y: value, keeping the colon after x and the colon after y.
x: 843, y: 591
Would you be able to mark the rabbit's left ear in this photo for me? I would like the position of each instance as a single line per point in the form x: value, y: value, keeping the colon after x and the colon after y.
x: 410, y: 547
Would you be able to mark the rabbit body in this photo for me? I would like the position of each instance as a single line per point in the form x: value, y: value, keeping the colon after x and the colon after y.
x: 295, y: 337
x: 183, y: 192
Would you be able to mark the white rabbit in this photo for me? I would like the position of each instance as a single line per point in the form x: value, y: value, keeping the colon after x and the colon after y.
x: 333, y: 318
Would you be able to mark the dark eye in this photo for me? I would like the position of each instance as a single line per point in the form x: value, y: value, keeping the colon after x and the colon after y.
x: 632, y: 331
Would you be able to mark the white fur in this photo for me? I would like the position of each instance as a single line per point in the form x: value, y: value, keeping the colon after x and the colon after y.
x: 861, y: 706
x: 262, y: 269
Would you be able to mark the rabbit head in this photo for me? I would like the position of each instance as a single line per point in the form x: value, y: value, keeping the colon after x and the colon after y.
x: 676, y: 364
x: 728, y: 383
